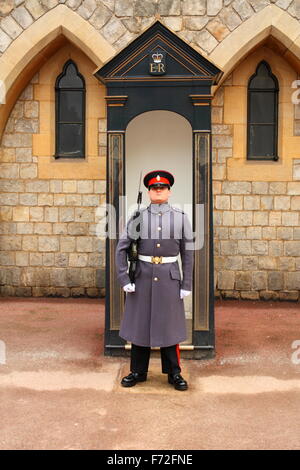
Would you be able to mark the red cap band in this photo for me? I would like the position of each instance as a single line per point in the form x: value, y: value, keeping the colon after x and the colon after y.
x: 162, y: 180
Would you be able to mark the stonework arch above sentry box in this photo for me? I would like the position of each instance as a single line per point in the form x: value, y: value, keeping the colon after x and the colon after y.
x: 159, y: 71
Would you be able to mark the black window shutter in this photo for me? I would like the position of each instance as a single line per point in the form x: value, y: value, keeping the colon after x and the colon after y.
x: 70, y: 113
x: 262, y: 119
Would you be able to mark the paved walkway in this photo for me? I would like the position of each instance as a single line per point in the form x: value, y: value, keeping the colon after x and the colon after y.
x: 58, y: 391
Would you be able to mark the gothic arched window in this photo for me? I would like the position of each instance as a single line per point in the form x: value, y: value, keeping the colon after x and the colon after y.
x: 262, y: 122
x: 70, y: 113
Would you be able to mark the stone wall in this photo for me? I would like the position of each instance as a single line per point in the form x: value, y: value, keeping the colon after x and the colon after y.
x: 256, y: 226
x: 202, y: 23
x: 48, y: 242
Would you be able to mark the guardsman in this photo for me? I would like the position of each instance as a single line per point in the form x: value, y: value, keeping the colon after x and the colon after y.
x: 154, y: 308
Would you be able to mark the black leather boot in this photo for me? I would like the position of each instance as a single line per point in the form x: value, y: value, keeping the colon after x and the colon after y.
x: 134, y: 377
x: 178, y: 381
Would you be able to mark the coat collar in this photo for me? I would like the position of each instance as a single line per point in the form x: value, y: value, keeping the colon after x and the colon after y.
x: 156, y: 208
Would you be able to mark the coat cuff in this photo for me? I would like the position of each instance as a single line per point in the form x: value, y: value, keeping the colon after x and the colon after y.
x: 124, y: 280
x: 186, y: 285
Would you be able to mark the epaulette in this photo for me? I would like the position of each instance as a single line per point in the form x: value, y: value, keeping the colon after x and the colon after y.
x: 177, y: 209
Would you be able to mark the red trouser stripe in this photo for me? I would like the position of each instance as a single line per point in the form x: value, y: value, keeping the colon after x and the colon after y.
x: 178, y: 354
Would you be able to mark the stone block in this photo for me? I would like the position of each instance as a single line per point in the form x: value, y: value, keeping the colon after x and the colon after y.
x: 230, y: 18
x: 243, y: 218
x: 9, y: 170
x: 266, y: 202
x: 250, y: 263
x: 254, y: 233
x: 282, y: 202
x: 169, y: 8
x: 295, y: 203
x: 260, y: 187
x: 45, y: 199
x: 35, y: 259
x: 195, y: 23
x: 25, y: 227
x: 228, y: 247
x: 113, y: 30
x: 173, y: 22
x: 243, y: 280
x: 24, y: 155
x: 193, y: 7
x: 42, y: 228
x: 251, y: 202
x: 67, y: 244
x: 59, y: 200
x: 276, y: 187
x: 61, y: 259
x: 87, y: 8
x: 261, y: 218
x: 223, y: 202
x: 84, y: 214
x: 86, y: 186
x: 69, y: 186
x: 5, y: 41
x: 274, y: 218
x: 51, y: 214
x: 267, y: 262
x: 259, y: 247
x: 100, y: 17
x: 236, y: 187
x: 85, y: 244
x: 49, y: 243
x: 268, y: 233
x: 290, y: 218
x: 244, y: 247
x: 275, y: 248
x: 258, y: 5
x: 233, y: 263
x: 214, y: 7
x: 78, y: 259
x: 55, y: 186
x: 293, y: 188
x: 58, y: 277
x: 292, y: 280
x: 21, y: 214
x: 48, y: 259
x: 22, y: 258
x: 291, y: 248
x: 77, y: 228
x: 37, y: 186
x: 28, y: 171
x: 249, y: 295
x: 275, y: 280
x: 66, y: 214
x: 28, y: 199
x: 237, y: 233
x: 228, y: 218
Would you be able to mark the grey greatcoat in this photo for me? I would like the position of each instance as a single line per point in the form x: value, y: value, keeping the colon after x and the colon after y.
x: 154, y: 313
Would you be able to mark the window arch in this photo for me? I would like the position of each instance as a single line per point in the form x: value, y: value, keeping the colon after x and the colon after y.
x: 262, y: 120
x: 70, y: 113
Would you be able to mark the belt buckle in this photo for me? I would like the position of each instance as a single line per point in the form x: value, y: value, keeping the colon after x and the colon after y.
x: 156, y: 259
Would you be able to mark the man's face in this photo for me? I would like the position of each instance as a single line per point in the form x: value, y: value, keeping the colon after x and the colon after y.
x: 159, y: 194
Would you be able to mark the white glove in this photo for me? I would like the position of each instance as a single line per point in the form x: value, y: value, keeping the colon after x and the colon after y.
x: 129, y: 288
x: 184, y: 293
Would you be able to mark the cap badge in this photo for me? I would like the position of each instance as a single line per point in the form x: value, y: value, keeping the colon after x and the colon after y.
x: 158, y: 178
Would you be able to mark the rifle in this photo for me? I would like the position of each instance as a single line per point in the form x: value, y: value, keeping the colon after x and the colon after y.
x: 132, y: 251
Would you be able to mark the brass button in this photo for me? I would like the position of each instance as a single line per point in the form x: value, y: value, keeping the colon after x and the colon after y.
x: 158, y: 245
x: 158, y: 228
x: 156, y: 279
x: 159, y: 213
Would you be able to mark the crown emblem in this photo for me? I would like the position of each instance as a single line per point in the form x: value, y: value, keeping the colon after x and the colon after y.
x: 157, y: 57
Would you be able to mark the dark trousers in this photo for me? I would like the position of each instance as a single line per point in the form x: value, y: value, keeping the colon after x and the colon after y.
x: 170, y: 359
